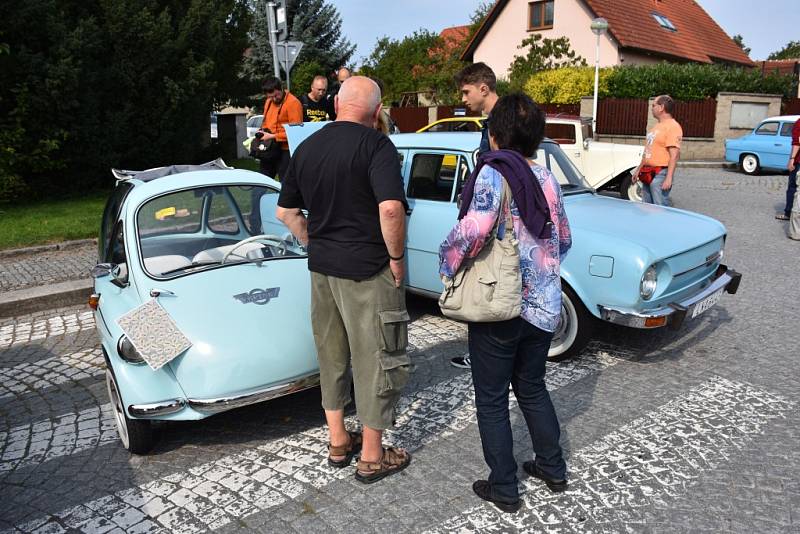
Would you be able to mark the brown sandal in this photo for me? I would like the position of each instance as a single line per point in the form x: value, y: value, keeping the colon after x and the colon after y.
x: 348, y: 451
x: 393, y: 461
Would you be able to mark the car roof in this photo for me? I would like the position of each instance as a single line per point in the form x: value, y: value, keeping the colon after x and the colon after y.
x: 463, y: 141
x: 784, y: 118
x: 559, y: 116
x: 143, y: 191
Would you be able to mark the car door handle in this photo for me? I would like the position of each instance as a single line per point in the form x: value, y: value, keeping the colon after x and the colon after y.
x: 409, y: 210
x: 778, y: 144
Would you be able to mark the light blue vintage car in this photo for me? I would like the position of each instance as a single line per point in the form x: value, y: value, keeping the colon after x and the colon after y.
x: 767, y: 146
x: 638, y: 265
x: 232, y: 279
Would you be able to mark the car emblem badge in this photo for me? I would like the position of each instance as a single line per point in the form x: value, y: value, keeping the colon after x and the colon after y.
x: 258, y: 296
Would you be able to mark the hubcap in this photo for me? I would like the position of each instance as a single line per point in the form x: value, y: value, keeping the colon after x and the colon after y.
x: 635, y: 192
x: 749, y: 163
x: 564, y: 337
x: 119, y: 413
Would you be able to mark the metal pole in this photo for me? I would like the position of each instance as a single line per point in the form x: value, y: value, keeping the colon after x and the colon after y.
x: 272, y: 27
x: 596, y: 83
x: 286, y: 56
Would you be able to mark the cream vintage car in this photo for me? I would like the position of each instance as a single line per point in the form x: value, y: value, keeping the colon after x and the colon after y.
x: 604, y: 165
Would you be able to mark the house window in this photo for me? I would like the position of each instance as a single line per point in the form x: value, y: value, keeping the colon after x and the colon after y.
x: 540, y: 15
x: 664, y: 22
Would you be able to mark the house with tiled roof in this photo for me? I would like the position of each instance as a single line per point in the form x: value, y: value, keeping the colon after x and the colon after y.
x: 640, y: 32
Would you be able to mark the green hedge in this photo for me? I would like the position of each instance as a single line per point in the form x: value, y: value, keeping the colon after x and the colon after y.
x: 687, y: 81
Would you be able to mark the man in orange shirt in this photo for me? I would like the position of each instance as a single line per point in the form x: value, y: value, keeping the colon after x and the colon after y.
x: 661, y: 152
x: 281, y: 107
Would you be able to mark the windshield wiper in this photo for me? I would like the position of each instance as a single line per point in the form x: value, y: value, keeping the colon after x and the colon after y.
x: 190, y: 266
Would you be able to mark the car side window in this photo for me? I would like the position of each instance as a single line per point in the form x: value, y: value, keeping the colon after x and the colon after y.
x: 767, y: 128
x: 441, y: 127
x: 466, y: 126
x: 786, y: 129
x: 432, y: 176
x: 116, y: 251
x: 563, y: 134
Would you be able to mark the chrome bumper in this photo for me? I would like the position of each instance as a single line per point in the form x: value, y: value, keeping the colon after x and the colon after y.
x: 675, y: 312
x: 221, y: 404
x: 157, y: 408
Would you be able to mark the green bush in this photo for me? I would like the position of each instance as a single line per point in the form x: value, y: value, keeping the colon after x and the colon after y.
x: 692, y: 81
x: 303, y: 74
x: 566, y: 85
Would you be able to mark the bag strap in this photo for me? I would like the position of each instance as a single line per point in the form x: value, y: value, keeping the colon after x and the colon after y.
x: 505, y: 211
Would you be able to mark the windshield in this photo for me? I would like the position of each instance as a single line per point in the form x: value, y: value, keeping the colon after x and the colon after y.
x: 195, y: 229
x: 569, y: 177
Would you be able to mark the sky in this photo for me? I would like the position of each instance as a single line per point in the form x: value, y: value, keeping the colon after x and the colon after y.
x: 765, y: 29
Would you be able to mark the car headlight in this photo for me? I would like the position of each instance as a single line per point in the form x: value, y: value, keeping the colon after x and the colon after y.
x: 648, y: 284
x: 127, y: 352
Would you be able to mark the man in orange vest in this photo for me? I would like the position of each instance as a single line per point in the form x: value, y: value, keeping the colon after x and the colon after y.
x: 281, y: 107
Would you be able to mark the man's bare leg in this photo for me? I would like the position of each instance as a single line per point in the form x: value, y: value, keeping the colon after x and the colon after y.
x: 372, y: 446
x: 338, y: 433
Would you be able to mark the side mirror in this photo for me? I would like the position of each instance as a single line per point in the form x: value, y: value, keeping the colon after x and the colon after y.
x: 101, y: 270
x: 586, y: 143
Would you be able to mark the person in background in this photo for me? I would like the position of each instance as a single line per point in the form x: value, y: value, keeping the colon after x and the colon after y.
x: 661, y: 151
x: 281, y: 107
x: 347, y: 175
x: 316, y: 106
x: 478, y: 86
x: 514, y: 352
x: 341, y: 75
x: 793, y: 165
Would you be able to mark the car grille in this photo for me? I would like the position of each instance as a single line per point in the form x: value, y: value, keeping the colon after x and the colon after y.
x: 691, y: 270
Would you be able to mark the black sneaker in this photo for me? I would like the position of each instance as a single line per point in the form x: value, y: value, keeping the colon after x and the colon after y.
x: 462, y: 362
x: 555, y: 485
x: 483, y: 489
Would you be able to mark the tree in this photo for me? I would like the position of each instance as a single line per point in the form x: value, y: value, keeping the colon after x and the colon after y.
x: 790, y: 51
x: 316, y: 23
x: 101, y: 83
x: 542, y: 54
x: 739, y: 40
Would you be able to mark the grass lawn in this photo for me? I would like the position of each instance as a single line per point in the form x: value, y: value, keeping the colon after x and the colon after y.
x: 53, y: 221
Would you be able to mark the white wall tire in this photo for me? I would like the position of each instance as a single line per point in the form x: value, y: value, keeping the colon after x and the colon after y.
x: 575, y: 329
x: 630, y: 190
x: 136, y: 435
x: 750, y: 164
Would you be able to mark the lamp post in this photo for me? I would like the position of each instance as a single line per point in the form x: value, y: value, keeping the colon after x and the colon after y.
x: 599, y: 27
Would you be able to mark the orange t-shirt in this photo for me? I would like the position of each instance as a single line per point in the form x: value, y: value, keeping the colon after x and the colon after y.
x: 663, y: 135
x: 287, y: 112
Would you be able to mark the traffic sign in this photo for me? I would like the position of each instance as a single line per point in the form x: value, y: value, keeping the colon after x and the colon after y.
x: 287, y: 52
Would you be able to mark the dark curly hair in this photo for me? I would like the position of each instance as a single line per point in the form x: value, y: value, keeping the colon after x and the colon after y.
x: 517, y: 123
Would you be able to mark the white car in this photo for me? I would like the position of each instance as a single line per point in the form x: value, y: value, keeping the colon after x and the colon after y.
x: 604, y: 165
x: 253, y: 124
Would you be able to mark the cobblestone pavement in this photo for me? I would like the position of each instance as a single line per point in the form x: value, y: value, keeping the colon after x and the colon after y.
x: 688, y: 431
x: 20, y: 272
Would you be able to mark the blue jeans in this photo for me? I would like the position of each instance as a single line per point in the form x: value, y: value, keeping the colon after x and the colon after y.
x: 513, y: 352
x: 791, y: 189
x: 652, y: 192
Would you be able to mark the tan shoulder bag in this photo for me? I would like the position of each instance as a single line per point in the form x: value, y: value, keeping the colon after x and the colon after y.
x: 488, y: 287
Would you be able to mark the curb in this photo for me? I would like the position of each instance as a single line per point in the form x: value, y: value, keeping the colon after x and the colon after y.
x: 46, y: 248
x: 39, y: 298
x: 707, y: 164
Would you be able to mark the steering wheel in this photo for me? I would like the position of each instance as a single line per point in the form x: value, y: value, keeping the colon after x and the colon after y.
x: 265, y: 237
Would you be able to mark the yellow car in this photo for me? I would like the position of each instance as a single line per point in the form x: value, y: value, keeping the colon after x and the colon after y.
x: 455, y: 124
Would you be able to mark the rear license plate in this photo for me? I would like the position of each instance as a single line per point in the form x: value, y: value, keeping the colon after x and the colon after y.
x: 706, y: 303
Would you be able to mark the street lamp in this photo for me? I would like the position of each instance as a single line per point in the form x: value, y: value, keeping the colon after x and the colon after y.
x: 599, y: 27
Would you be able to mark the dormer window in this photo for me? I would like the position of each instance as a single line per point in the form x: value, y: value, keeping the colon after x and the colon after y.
x: 664, y: 22
x: 540, y: 15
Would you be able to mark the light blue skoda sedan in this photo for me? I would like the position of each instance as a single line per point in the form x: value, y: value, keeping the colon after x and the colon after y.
x: 633, y: 264
x: 767, y: 146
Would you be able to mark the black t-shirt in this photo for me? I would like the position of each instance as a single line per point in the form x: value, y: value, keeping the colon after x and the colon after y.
x: 340, y: 174
x: 317, y: 111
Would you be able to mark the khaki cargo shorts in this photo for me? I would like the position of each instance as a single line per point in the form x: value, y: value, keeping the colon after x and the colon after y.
x: 361, y: 325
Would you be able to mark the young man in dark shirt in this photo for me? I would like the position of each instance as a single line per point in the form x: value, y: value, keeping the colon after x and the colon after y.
x: 316, y: 106
x: 347, y: 175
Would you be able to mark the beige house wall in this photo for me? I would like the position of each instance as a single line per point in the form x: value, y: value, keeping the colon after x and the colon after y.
x: 571, y: 19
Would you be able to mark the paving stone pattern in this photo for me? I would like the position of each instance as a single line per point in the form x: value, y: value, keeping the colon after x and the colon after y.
x: 20, y: 272
x: 688, y: 431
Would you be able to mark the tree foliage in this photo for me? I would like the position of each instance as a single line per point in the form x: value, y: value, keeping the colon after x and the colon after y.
x: 316, y: 23
x: 542, y: 53
x: 790, y: 51
x: 566, y: 85
x: 100, y: 83
x: 739, y: 40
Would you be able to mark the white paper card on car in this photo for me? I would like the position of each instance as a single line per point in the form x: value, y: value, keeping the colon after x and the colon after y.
x: 153, y: 334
